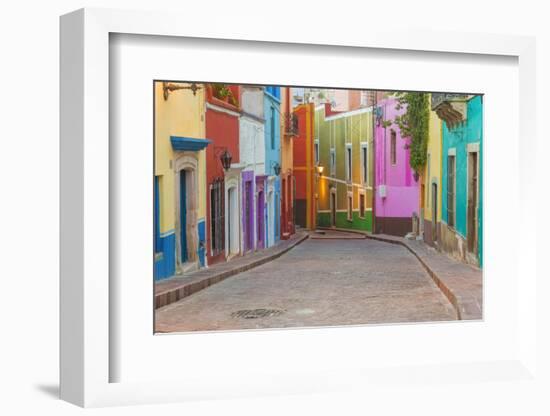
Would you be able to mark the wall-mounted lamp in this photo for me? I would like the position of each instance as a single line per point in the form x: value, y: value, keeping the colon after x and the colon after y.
x: 225, y: 157
x: 168, y: 87
x: 276, y: 168
x: 320, y: 170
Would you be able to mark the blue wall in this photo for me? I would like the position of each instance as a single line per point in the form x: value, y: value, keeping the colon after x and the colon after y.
x: 471, y: 131
x: 273, y: 153
x: 165, y: 258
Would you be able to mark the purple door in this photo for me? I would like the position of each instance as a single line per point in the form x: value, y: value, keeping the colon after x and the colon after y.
x: 248, y: 210
x: 260, y: 220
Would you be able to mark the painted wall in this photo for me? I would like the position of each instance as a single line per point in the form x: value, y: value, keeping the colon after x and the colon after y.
x: 304, y: 167
x: 468, y: 133
x: 222, y: 127
x: 272, y: 141
x: 432, y: 175
x: 401, y: 189
x: 334, y: 130
x: 182, y: 114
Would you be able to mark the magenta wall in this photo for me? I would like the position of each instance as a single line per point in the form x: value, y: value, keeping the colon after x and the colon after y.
x: 401, y: 188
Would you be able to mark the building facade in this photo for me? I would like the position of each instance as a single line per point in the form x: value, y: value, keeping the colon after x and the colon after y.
x: 343, y: 149
x: 272, y: 112
x: 222, y: 128
x: 180, y: 179
x: 252, y: 164
x: 288, y: 133
x: 304, y: 167
x: 431, y: 185
x: 397, y: 190
x: 462, y: 179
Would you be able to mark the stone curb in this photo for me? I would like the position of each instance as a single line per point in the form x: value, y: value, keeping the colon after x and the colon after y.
x: 465, y: 306
x: 193, y: 284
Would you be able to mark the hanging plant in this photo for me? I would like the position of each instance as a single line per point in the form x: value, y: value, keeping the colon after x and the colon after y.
x: 414, y: 124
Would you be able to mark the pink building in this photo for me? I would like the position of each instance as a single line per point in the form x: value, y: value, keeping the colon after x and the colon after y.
x: 397, y: 191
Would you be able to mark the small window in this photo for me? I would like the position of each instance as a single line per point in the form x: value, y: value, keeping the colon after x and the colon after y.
x: 393, y: 145
x: 350, y: 208
x: 451, y: 190
x: 272, y: 127
x: 332, y: 162
x: 348, y: 163
x: 362, y: 205
x: 364, y: 164
x: 316, y: 151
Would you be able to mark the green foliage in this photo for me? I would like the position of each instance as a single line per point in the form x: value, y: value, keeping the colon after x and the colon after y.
x: 414, y: 124
x: 222, y: 92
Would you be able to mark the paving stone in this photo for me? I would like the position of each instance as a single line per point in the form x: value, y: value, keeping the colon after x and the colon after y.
x: 320, y: 282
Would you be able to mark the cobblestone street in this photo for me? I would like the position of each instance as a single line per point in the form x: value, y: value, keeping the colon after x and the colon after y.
x: 320, y: 282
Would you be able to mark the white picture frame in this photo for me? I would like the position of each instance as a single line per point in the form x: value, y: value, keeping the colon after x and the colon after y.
x: 85, y: 217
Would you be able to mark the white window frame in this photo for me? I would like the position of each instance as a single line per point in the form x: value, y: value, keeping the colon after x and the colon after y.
x: 364, y: 163
x: 349, y: 162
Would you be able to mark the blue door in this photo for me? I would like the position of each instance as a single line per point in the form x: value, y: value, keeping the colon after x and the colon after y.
x: 183, y: 217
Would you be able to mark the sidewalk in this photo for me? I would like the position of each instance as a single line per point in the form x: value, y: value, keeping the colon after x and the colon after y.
x: 171, y: 290
x: 461, y: 283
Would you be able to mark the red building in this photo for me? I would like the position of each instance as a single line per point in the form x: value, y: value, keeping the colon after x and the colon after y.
x: 222, y: 128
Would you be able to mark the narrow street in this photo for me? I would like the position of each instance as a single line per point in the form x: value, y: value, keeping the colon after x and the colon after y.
x: 318, y: 283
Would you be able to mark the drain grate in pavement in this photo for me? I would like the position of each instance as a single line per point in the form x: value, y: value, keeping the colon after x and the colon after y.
x: 256, y: 313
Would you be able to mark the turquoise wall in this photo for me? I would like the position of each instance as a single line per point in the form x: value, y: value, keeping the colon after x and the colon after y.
x: 471, y: 131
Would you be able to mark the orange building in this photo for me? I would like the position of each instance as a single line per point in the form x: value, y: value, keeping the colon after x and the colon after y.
x: 304, y: 162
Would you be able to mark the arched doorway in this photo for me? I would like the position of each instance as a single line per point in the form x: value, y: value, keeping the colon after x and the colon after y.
x: 186, y: 212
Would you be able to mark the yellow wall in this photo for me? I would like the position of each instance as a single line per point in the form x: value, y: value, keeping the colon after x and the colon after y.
x: 432, y: 170
x: 181, y: 115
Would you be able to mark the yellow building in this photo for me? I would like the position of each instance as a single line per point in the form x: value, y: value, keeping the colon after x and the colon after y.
x: 431, y: 186
x: 179, y: 177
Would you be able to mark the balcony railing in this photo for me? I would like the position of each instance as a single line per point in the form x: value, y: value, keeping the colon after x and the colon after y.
x: 290, y: 121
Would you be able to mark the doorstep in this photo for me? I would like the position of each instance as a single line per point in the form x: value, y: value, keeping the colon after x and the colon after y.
x: 175, y: 288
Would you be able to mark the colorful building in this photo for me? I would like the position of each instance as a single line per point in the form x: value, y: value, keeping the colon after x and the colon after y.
x: 222, y: 128
x: 462, y: 179
x: 431, y: 185
x: 288, y: 133
x: 252, y: 165
x: 180, y: 178
x: 304, y: 167
x: 343, y: 149
x: 397, y: 190
x: 272, y: 112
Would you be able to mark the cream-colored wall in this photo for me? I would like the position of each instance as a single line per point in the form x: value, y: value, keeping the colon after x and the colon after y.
x: 182, y: 114
x: 434, y: 167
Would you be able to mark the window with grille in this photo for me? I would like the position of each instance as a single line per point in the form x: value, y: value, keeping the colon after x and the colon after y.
x: 362, y: 205
x: 350, y: 208
x: 393, y: 144
x: 217, y: 223
x: 332, y: 161
x: 348, y: 163
x: 451, y: 190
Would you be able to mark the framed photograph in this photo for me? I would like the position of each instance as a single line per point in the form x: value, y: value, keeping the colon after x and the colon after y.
x: 281, y: 213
